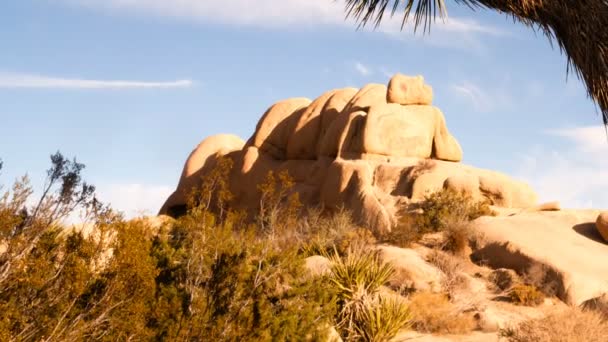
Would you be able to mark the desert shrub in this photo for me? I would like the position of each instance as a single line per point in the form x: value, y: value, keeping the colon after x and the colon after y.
x: 279, y: 205
x: 572, y: 325
x: 527, y: 295
x: 324, y: 233
x: 382, y: 319
x: 207, y: 276
x: 544, y: 278
x: 442, y: 211
x: 404, y: 233
x: 452, y: 269
x: 363, y: 314
x: 434, y: 313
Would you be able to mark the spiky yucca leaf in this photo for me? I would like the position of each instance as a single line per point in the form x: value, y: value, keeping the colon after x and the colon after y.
x: 357, y: 276
x: 360, y: 270
x: 382, y: 319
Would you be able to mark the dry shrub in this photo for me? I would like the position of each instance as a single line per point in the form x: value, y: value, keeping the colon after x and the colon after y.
x: 325, y: 232
x: 434, y: 313
x: 452, y: 268
x: 527, y: 295
x: 503, y: 279
x: 442, y: 211
x: 598, y: 304
x: 402, y: 282
x: 572, y: 325
x: 542, y: 277
x: 404, y: 233
x: 457, y: 237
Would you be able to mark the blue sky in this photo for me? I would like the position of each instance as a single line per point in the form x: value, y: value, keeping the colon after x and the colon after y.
x: 129, y: 87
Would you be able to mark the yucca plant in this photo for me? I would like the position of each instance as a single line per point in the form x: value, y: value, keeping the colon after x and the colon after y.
x: 579, y: 27
x: 360, y: 270
x: 363, y: 313
x: 382, y: 319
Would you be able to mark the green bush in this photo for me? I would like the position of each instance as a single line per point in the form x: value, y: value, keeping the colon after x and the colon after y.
x: 207, y: 276
x: 442, y: 211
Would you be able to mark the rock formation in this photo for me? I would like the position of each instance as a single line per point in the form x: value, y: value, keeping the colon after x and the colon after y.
x: 370, y: 150
x: 601, y: 224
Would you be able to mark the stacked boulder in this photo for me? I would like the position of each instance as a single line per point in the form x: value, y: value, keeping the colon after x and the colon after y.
x: 370, y: 150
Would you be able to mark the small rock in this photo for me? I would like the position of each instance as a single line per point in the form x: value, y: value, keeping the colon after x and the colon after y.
x: 317, y: 265
x: 411, y: 270
x: 602, y: 225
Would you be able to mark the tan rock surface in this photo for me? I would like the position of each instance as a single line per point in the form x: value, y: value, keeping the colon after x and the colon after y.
x: 369, y: 95
x: 276, y: 126
x: 601, y: 224
x: 201, y: 160
x: 333, y: 107
x: 563, y: 243
x: 317, y: 265
x: 407, y: 90
x: 307, y: 130
x: 351, y: 148
x: 411, y: 270
x: 408, y: 131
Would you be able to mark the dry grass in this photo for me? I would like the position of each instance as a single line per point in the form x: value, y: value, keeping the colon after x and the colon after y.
x: 323, y: 233
x: 504, y: 279
x: 458, y: 236
x: 527, y: 295
x: 573, y: 325
x: 434, y: 313
x: 543, y: 278
x: 452, y: 267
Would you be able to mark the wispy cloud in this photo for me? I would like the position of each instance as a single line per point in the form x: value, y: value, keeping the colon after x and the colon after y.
x: 261, y: 13
x: 473, y: 93
x: 294, y: 14
x: 450, y: 24
x: 575, y: 175
x: 134, y: 199
x: 18, y: 80
x: 362, y: 69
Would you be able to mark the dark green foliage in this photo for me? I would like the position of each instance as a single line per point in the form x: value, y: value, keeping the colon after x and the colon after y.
x: 442, y: 211
x: 207, y: 276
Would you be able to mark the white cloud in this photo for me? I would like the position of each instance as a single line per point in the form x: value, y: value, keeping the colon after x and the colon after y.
x: 591, y: 139
x: 134, y: 199
x: 362, y: 69
x: 576, y: 176
x: 480, y: 99
x: 294, y: 14
x: 261, y: 13
x: 449, y: 24
x: 18, y: 80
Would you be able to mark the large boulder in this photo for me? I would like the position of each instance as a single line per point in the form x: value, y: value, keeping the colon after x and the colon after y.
x: 307, y: 130
x: 277, y: 125
x: 407, y: 90
x: 333, y: 107
x: 408, y: 131
x: 370, y: 150
x: 411, y: 270
x: 558, y: 250
x: 200, y: 161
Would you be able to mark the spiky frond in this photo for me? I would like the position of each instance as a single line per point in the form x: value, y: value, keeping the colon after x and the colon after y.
x: 579, y: 27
